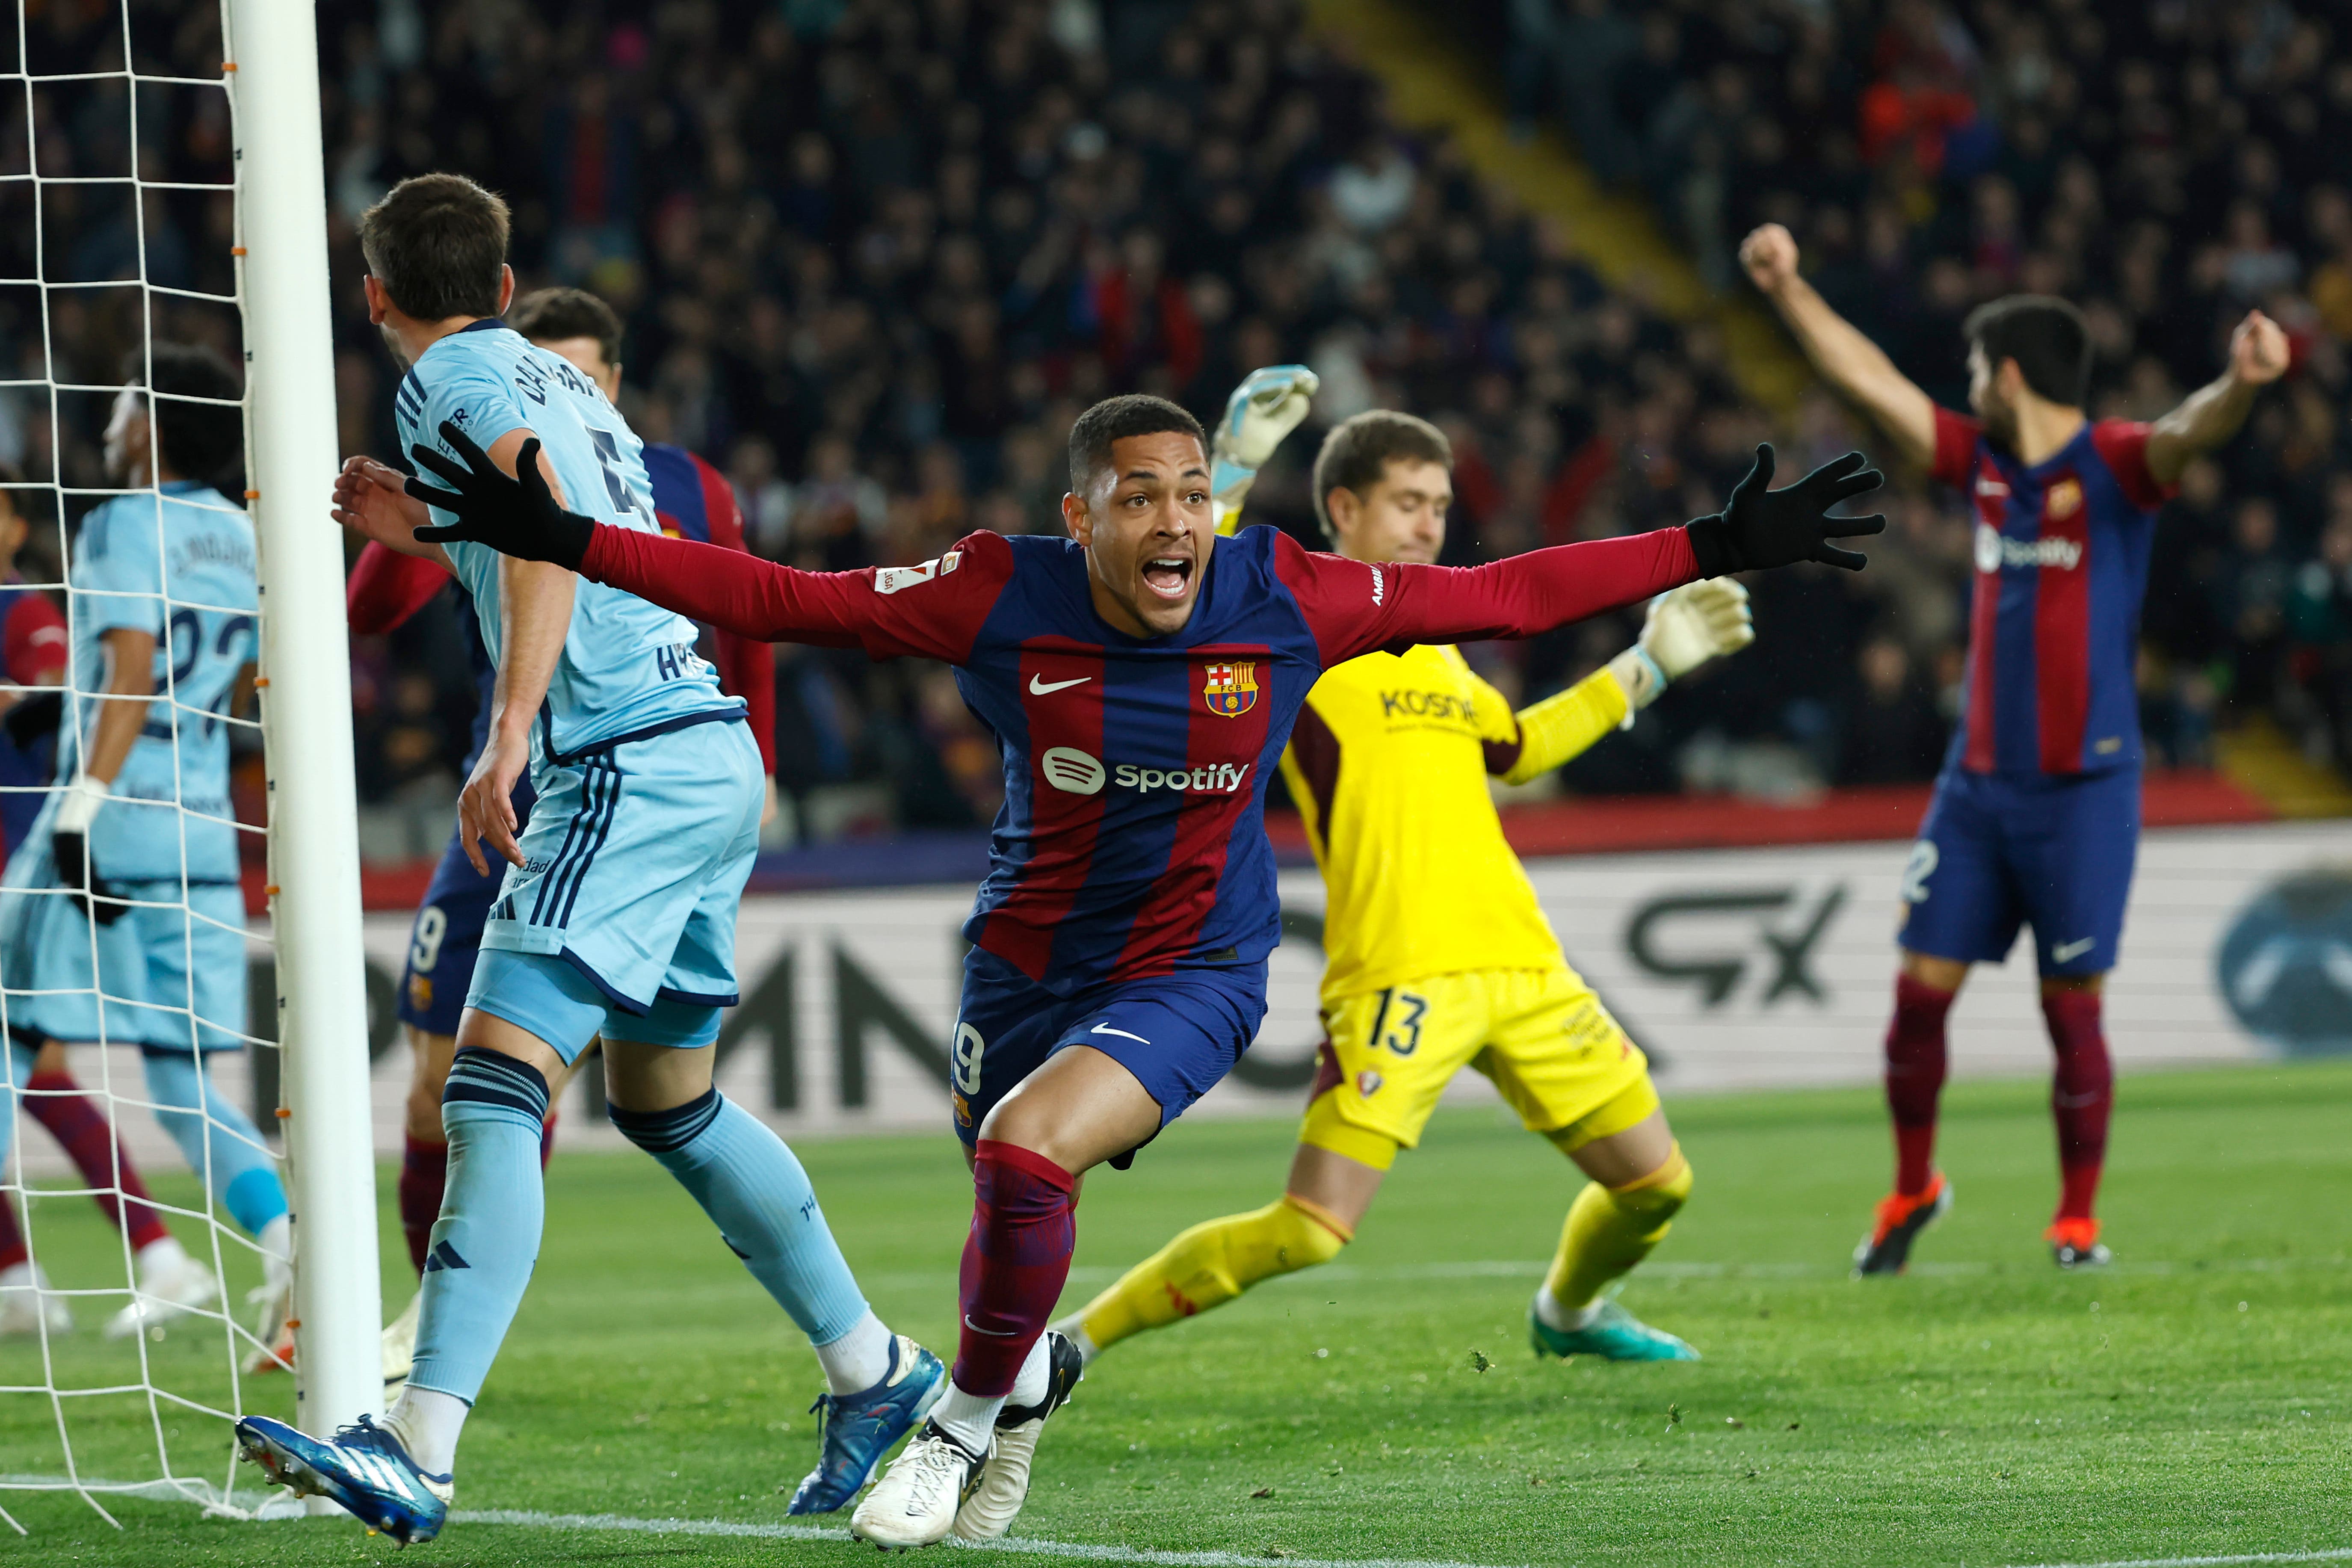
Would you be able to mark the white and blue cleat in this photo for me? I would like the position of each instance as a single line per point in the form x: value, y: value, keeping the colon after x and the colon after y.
x: 1613, y: 1334
x: 363, y: 1469
x: 859, y: 1428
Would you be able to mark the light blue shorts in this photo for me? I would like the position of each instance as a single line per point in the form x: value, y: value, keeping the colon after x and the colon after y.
x: 168, y: 974
x: 635, y: 860
x: 552, y: 999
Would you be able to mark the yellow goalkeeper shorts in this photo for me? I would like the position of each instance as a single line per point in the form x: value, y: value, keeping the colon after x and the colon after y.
x: 1541, y: 1035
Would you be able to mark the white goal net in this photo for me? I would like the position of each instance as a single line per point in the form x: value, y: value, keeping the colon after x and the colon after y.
x: 147, y: 1251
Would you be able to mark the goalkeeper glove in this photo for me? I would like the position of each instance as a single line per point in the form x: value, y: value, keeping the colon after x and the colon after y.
x: 515, y: 517
x: 1761, y: 527
x: 1267, y: 407
x: 1685, y: 627
x: 69, y: 847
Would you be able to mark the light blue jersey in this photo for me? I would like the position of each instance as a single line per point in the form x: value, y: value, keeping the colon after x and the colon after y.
x: 179, y: 566
x: 628, y: 667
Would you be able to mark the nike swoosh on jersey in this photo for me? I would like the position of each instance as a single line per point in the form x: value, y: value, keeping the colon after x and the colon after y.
x: 2067, y: 952
x: 1041, y: 687
x: 1122, y: 1034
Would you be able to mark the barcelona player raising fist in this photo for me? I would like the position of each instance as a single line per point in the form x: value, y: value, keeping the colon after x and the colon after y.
x: 2035, y: 819
x: 1142, y: 676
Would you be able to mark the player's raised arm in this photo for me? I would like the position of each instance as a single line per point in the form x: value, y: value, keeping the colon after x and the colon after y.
x: 2211, y: 414
x: 1847, y: 359
x: 1355, y: 607
x: 725, y: 588
x: 1267, y: 407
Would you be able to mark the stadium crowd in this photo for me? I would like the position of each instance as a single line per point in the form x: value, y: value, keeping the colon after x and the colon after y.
x: 874, y: 255
x: 2167, y: 164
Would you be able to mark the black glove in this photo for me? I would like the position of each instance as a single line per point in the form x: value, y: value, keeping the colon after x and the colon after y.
x: 34, y: 719
x: 1761, y: 527
x: 93, y: 895
x: 514, y: 517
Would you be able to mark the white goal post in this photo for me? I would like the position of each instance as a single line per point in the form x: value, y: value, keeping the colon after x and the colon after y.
x: 305, y: 670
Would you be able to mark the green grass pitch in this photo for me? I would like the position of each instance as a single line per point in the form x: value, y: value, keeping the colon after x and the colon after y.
x: 2191, y: 1402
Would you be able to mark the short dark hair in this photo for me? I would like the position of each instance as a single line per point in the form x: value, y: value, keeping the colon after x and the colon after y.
x: 1356, y: 452
x: 202, y: 441
x: 437, y: 242
x: 551, y: 315
x: 2047, y: 337
x: 1116, y: 419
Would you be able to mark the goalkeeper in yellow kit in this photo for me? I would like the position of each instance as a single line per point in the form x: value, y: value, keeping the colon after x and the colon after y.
x: 1439, y: 954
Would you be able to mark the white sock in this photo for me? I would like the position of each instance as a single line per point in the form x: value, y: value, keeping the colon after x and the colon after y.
x: 277, y: 1240
x: 1566, y: 1319
x: 1035, y: 1377
x: 163, y: 1253
x: 969, y: 1418
x: 19, y: 1276
x: 858, y: 1359
x: 427, y: 1421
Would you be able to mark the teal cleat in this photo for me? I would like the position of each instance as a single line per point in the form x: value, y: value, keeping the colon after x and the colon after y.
x: 859, y: 1428
x: 362, y: 1469
x: 1613, y: 1334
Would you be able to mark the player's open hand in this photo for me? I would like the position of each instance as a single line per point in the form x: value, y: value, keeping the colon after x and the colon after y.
x: 2258, y: 349
x: 1697, y: 622
x: 372, y: 500
x: 1267, y: 407
x: 517, y: 517
x: 1761, y: 528
x: 1769, y: 255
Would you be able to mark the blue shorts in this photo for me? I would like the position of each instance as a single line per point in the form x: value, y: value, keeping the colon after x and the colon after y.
x: 554, y: 1000
x: 1997, y: 852
x: 1179, y: 1034
x: 168, y: 975
x: 634, y: 863
x: 448, y: 934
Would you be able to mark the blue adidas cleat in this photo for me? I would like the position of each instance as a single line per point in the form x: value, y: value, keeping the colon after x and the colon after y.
x: 1613, y: 1334
x: 858, y: 1429
x: 362, y: 1469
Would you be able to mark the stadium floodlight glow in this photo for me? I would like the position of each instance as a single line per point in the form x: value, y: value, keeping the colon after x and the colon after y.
x: 267, y: 95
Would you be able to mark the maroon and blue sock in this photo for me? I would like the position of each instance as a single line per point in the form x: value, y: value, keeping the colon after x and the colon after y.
x: 58, y: 1104
x: 1015, y: 1262
x: 2081, y: 1096
x: 1916, y: 1061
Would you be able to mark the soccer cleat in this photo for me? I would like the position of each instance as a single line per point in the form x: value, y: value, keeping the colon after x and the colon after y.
x: 1887, y: 1249
x: 363, y: 1469
x: 26, y: 1305
x: 1005, y: 1480
x: 857, y: 1429
x: 915, y: 1503
x: 170, y: 1285
x: 2075, y: 1244
x: 274, y: 1329
x: 400, y: 1348
x: 1613, y: 1334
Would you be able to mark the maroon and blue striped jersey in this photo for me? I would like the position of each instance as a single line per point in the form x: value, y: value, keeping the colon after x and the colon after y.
x: 1132, y: 839
x: 2062, y: 553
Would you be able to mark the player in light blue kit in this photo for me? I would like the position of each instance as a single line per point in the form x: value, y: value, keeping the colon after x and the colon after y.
x: 617, y: 913
x: 121, y: 913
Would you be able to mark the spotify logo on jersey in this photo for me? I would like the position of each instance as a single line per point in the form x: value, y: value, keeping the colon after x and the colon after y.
x: 1071, y: 770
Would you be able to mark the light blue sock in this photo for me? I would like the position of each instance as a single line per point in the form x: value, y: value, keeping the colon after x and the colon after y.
x: 748, y: 1182
x: 18, y: 1065
x: 492, y: 1211
x: 203, y: 1122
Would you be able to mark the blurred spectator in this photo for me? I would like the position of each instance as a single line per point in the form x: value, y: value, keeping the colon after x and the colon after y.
x: 1894, y: 733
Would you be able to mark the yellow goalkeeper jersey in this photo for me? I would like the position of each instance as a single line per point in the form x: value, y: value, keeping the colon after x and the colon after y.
x: 1388, y: 765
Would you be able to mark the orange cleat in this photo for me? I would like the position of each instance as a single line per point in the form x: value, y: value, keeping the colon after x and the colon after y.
x: 2075, y: 1244
x: 1901, y: 1218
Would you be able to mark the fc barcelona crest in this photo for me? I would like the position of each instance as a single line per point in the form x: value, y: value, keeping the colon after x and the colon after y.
x: 1231, y: 690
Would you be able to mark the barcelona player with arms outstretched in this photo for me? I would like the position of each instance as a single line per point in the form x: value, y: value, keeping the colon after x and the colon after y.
x: 1141, y: 677
x: 2035, y: 819
x: 1439, y: 954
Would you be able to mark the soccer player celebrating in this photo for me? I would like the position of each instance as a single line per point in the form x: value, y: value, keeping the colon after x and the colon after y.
x: 691, y: 499
x: 616, y: 917
x: 1439, y: 954
x: 1140, y: 677
x: 127, y: 884
x: 2035, y: 819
